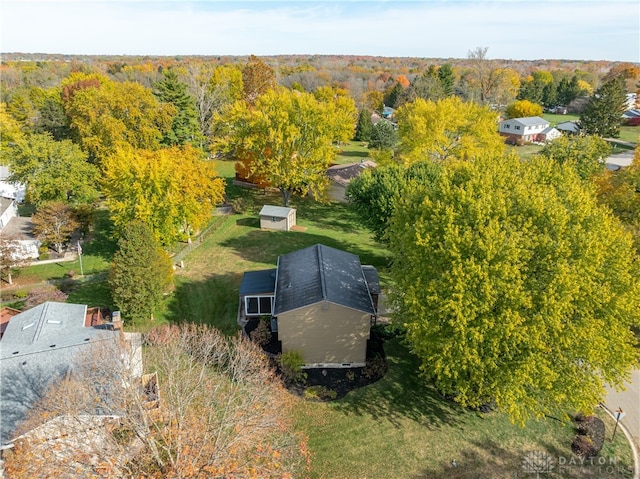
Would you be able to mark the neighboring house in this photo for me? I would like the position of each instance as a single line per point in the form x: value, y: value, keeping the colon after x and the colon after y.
x: 632, y: 117
x: 527, y: 130
x: 341, y: 176
x: 279, y: 218
x: 14, y: 191
x: 18, y: 229
x: 569, y: 127
x: 38, y: 346
x: 632, y: 100
x: 323, y: 302
x: 387, y: 112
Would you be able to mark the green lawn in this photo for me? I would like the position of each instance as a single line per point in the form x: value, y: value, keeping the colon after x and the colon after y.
x: 554, y: 119
x: 352, y: 152
x: 630, y: 133
x: 400, y: 427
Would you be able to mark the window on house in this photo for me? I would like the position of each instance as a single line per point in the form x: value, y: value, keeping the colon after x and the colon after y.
x: 258, y: 305
x: 507, y: 126
x: 273, y: 218
x: 517, y: 127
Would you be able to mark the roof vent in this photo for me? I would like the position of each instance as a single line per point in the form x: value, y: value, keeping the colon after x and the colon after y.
x: 54, y: 321
x: 27, y: 326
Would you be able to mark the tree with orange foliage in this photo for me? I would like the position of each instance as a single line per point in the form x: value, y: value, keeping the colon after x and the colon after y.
x: 221, y: 413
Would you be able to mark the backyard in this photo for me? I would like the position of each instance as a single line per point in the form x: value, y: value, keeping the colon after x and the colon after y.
x: 397, y: 427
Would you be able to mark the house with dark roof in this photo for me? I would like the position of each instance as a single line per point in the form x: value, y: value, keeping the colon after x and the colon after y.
x: 527, y: 130
x: 323, y: 302
x: 39, y: 345
x: 341, y: 175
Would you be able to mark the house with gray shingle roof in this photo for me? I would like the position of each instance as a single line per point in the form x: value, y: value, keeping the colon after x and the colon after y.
x: 323, y: 303
x: 38, y: 346
x: 527, y: 130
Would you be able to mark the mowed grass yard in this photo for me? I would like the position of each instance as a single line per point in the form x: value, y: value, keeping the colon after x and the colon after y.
x: 399, y: 427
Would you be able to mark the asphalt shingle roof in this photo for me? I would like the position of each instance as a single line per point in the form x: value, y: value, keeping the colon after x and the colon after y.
x: 321, y: 273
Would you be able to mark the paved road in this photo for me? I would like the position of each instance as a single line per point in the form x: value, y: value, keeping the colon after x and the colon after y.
x: 629, y: 401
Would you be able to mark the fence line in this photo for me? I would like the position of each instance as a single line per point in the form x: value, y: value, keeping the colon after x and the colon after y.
x: 198, y: 240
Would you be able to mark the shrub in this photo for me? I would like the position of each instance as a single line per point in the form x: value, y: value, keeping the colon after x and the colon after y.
x: 42, y: 295
x: 20, y: 294
x: 67, y: 285
x: 376, y: 367
x: 239, y: 205
x: 320, y: 392
x: 350, y: 375
x: 291, y: 364
x: 70, y: 274
x: 583, y: 446
x: 592, y: 427
x: 262, y: 334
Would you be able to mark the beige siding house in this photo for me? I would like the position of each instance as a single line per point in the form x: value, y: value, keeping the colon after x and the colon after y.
x: 278, y: 218
x: 324, y: 302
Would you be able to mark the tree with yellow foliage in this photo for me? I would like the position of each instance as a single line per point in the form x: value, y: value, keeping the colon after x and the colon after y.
x: 446, y: 129
x: 172, y: 190
x: 287, y: 138
x: 514, y: 286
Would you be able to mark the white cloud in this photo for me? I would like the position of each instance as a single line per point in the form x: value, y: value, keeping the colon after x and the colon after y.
x: 511, y: 29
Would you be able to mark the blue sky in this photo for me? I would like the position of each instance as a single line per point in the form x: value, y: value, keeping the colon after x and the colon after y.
x: 512, y: 29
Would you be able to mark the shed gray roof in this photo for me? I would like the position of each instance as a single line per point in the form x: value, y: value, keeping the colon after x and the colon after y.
x: 39, y: 345
x: 321, y: 273
x: 276, y: 211
x: 258, y: 282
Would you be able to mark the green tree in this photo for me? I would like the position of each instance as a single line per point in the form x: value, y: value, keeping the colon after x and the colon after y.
x: 447, y: 79
x: 449, y: 128
x: 287, y: 139
x: 603, y: 114
x: 53, y: 170
x: 586, y: 154
x: 523, y: 109
x: 383, y: 136
x: 185, y: 127
x: 140, y: 274
x: 375, y: 192
x: 364, y: 126
x: 54, y: 223
x: 515, y: 287
x: 172, y: 190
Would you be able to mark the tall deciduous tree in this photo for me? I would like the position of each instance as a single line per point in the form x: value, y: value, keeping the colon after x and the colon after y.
x: 603, y: 114
x: 172, y: 190
x: 515, y: 287
x: 185, y: 127
x: 446, y: 129
x: 586, y: 154
x: 54, y: 223
x: 375, y: 192
x: 53, y: 170
x: 523, y: 109
x: 287, y: 139
x: 111, y: 115
x: 140, y: 274
x: 257, y: 79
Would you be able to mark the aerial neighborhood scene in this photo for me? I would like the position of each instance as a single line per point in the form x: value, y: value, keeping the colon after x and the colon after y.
x: 325, y: 240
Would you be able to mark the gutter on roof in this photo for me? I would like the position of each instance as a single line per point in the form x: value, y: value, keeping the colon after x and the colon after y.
x: 275, y: 287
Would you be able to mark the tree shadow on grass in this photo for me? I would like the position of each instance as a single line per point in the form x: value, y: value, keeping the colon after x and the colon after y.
x: 359, y: 154
x: 261, y: 246
x: 250, y: 222
x: 488, y: 459
x: 400, y: 394
x: 213, y: 301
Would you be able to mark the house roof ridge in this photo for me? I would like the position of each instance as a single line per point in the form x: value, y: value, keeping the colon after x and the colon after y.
x: 41, y: 321
x: 323, y: 277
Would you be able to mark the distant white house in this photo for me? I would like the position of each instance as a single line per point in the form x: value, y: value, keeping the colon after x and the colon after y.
x: 14, y: 191
x: 527, y: 130
x: 631, y: 100
x: 18, y: 229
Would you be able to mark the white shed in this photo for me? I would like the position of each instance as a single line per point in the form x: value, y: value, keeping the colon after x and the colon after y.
x: 278, y: 218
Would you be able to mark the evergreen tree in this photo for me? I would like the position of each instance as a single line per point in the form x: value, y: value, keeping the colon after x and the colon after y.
x: 603, y: 114
x: 185, y: 127
x: 383, y: 136
x: 364, y: 127
x: 140, y: 274
x: 447, y: 79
